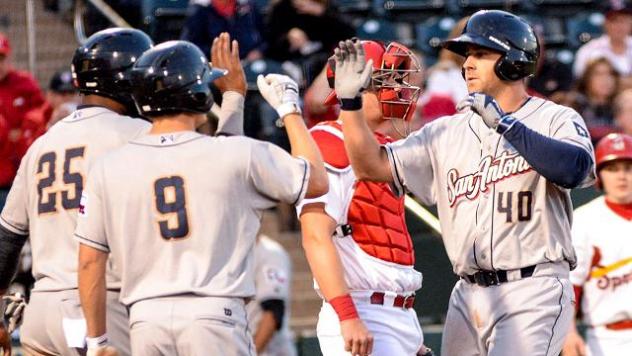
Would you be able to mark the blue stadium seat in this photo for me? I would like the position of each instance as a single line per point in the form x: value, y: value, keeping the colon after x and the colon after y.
x: 487, y: 3
x: 565, y: 56
x: 163, y: 19
x: 353, y: 5
x: 584, y: 27
x: 377, y: 29
x: 552, y: 28
x: 566, y: 2
x: 261, y: 66
x: 263, y: 5
x: 430, y: 34
x: 394, y: 5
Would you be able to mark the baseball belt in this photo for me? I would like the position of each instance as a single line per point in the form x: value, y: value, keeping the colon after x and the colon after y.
x: 492, y: 278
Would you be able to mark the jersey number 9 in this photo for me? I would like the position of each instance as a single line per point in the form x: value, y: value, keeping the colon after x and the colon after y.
x: 170, y: 201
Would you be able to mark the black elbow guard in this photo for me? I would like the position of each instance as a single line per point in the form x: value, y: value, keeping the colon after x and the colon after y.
x: 277, y: 308
x: 10, y: 247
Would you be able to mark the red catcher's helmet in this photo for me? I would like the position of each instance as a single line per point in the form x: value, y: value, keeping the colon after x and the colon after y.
x: 392, y: 66
x: 613, y: 147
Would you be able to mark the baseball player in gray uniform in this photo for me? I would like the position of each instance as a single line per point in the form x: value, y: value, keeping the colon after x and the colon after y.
x: 181, y: 225
x: 44, y: 199
x: 268, y: 313
x: 500, y: 172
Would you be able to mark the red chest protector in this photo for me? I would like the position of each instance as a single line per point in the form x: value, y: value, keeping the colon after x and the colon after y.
x: 375, y: 216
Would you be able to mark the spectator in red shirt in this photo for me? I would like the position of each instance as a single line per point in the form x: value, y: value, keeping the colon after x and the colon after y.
x: 20, y: 101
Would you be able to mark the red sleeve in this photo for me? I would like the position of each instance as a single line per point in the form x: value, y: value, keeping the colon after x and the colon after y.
x: 33, y: 93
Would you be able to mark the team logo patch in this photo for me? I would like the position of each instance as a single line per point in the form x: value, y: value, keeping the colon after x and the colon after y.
x: 168, y: 139
x: 275, y: 275
x: 581, y: 131
x: 82, y: 205
x: 490, y: 170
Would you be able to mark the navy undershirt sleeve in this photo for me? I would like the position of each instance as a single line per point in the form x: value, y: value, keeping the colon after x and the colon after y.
x: 10, y: 246
x: 562, y: 163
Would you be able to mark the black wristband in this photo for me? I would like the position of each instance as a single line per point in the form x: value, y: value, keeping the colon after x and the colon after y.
x: 351, y: 104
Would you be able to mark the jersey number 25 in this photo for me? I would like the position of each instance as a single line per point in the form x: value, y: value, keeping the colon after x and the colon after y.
x: 73, y: 181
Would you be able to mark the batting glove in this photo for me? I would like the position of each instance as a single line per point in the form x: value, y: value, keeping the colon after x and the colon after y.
x: 281, y: 92
x: 14, y: 310
x: 487, y: 108
x: 353, y: 74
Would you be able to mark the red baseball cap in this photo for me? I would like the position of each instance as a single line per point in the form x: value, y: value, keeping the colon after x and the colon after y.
x: 5, y: 45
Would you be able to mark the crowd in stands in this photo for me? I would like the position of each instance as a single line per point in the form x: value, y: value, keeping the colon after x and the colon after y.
x: 297, y: 36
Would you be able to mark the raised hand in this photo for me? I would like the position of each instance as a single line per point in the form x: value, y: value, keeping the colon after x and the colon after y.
x: 281, y: 92
x: 353, y: 72
x: 225, y: 55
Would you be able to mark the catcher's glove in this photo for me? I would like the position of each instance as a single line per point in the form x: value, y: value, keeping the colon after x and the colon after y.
x: 14, y: 310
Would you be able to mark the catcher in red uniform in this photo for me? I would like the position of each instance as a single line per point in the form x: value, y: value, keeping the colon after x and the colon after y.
x: 355, y: 237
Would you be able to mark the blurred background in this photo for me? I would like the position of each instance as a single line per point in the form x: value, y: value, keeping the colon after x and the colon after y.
x: 585, y: 63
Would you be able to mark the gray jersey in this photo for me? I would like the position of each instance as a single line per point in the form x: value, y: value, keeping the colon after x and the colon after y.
x: 179, y: 212
x: 45, y: 195
x: 496, y: 212
x: 273, y: 274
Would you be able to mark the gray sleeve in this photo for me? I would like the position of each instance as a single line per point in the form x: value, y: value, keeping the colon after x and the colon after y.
x: 90, y: 229
x: 411, y: 165
x: 231, y: 115
x: 276, y: 175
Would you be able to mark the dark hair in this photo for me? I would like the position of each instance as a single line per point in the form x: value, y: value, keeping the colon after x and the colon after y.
x: 583, y: 81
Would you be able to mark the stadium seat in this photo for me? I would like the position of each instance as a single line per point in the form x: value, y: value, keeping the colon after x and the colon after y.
x: 552, y: 28
x: 353, y: 5
x: 565, y: 2
x: 487, y: 3
x: 584, y: 27
x: 431, y: 33
x: 394, y: 5
x: 377, y: 29
x: 260, y: 66
x: 262, y: 5
x: 163, y: 19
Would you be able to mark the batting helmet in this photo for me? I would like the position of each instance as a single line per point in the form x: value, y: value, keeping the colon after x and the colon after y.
x: 102, y: 64
x: 173, y: 77
x: 503, y: 32
x: 392, y: 66
x: 614, y: 146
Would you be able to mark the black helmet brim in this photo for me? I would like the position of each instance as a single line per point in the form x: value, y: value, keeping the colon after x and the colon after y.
x: 459, y: 44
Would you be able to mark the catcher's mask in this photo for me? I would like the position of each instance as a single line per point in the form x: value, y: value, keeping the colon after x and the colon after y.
x: 392, y: 67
